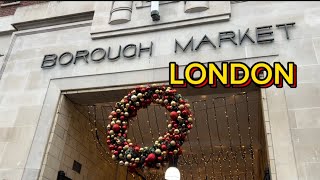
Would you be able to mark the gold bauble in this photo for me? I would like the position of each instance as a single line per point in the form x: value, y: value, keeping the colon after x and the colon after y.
x: 157, y: 151
x: 126, y: 163
x: 129, y: 156
x: 173, y: 103
x: 134, y: 98
x: 140, y: 95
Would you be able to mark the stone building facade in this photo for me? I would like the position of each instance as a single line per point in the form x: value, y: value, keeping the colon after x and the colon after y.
x: 31, y: 94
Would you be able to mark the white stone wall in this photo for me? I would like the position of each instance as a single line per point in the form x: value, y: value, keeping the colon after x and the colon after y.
x: 27, y: 92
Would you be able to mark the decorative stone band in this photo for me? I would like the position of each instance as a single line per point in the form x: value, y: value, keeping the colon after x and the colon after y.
x: 195, y: 6
x: 121, y: 12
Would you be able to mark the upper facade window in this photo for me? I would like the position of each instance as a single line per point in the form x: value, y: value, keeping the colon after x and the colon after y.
x: 8, y: 8
x: 9, y: 3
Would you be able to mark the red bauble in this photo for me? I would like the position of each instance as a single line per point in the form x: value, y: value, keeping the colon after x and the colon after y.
x: 160, y: 158
x: 189, y: 126
x: 182, y: 136
x: 119, y: 148
x: 132, y: 169
x: 163, y: 147
x: 132, y: 108
x: 176, y: 136
x: 155, y: 96
x: 143, y: 90
x: 124, y: 135
x: 174, y: 115
x: 108, y: 141
x: 170, y: 153
x: 111, y: 147
x: 185, y: 112
x: 137, y: 148
x: 116, y: 153
x: 124, y: 127
x: 114, y: 114
x: 151, y: 157
x: 148, y: 101
x: 116, y: 128
x: 122, y: 118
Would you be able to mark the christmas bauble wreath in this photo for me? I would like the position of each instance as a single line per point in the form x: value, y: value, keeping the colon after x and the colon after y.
x: 167, y: 146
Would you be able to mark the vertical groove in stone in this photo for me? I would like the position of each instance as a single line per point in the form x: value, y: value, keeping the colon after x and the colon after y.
x: 195, y: 6
x: 120, y: 12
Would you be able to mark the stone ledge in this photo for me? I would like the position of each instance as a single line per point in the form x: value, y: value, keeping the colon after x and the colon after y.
x: 160, y: 27
x: 54, y: 21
